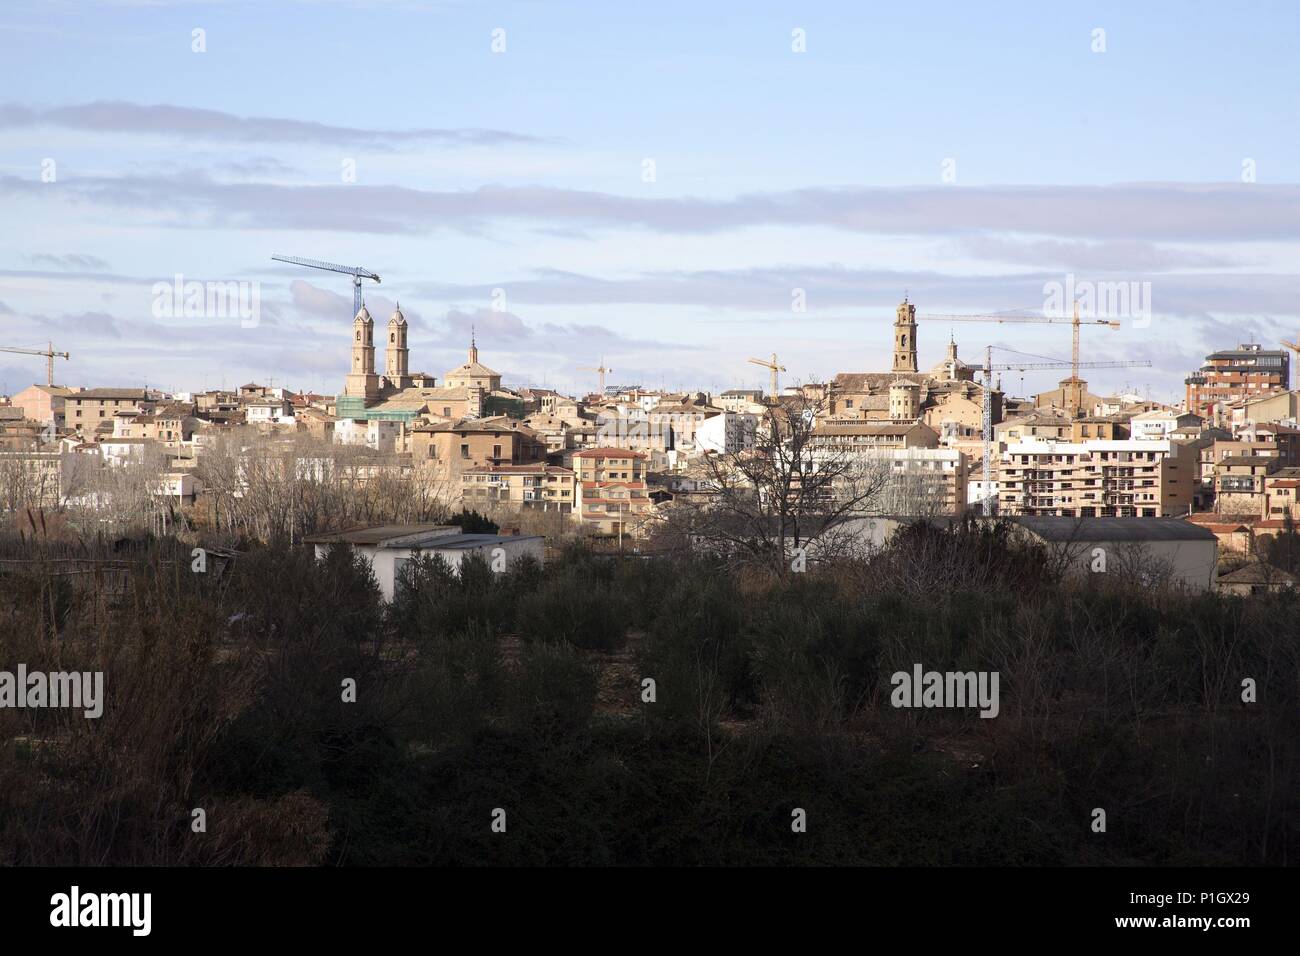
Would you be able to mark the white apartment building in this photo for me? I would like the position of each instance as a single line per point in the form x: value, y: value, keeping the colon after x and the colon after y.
x: 1161, y: 423
x: 1119, y: 478
x: 728, y: 433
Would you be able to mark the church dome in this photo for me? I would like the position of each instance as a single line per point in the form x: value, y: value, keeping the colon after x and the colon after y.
x: 363, y: 315
x: 397, y: 318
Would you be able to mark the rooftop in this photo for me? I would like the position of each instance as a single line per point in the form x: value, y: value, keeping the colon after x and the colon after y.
x: 1114, y: 529
x: 1258, y: 573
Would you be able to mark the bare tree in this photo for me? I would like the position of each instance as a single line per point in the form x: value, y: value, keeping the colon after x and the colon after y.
x: 788, y: 495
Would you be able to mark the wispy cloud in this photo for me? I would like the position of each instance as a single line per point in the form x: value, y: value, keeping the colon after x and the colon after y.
x: 117, y: 116
x: 769, y: 290
x: 1155, y: 212
x: 70, y: 261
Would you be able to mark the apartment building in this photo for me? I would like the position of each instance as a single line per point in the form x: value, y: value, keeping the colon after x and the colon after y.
x: 29, y: 477
x: 42, y: 403
x: 729, y: 433
x: 611, y: 493
x: 454, y: 447
x: 537, y: 486
x: 741, y: 399
x: 85, y: 411
x: 920, y: 481
x: 1280, y: 407
x: 1282, y: 494
x: 1233, y: 375
x: 1104, y: 427
x: 853, y: 438
x: 1046, y: 424
x: 1162, y: 423
x: 1129, y: 478
x: 171, y: 423
x: 1239, y: 484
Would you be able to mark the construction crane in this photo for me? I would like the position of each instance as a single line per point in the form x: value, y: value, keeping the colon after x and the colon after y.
x: 1293, y: 346
x: 50, y: 356
x: 773, y: 367
x: 990, y: 500
x: 599, y: 368
x: 1076, y: 323
x: 357, y: 272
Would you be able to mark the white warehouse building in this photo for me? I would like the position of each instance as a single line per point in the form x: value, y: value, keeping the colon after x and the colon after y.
x: 389, y: 547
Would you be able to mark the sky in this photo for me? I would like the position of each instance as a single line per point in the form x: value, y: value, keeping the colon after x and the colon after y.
x: 667, y: 189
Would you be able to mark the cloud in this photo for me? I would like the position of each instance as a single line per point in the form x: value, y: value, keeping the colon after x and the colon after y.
x: 117, y: 116
x: 768, y: 290
x: 1154, y: 211
x: 512, y: 334
x: 72, y: 261
x: 1118, y: 254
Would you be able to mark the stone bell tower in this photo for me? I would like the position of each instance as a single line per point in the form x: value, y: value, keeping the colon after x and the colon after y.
x: 362, y: 381
x: 905, y: 338
x: 397, y: 355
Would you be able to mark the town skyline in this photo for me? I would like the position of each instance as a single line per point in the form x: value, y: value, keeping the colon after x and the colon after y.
x: 662, y: 222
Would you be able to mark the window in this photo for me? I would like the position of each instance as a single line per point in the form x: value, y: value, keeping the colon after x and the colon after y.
x: 464, y: 450
x: 496, y: 451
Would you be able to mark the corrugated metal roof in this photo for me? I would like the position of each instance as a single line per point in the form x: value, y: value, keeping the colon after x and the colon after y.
x: 1114, y: 529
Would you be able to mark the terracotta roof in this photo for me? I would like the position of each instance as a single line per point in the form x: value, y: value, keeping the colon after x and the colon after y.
x: 97, y: 394
x: 605, y: 452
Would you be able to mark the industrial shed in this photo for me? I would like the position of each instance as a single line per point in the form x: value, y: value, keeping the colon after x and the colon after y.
x: 1152, y: 550
x: 388, y: 547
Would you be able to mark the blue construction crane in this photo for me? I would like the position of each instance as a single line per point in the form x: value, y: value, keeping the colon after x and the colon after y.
x: 357, y: 272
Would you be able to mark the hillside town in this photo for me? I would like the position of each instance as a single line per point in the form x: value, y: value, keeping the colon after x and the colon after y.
x: 619, y: 464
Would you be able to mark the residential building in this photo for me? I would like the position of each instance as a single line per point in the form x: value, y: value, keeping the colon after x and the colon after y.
x: 1239, y: 484
x: 537, y: 486
x: 1129, y: 478
x: 42, y: 403
x: 1162, y: 422
x: 86, y: 410
x: 854, y: 438
x: 611, y: 492
x: 453, y: 447
x: 728, y: 433
x: 1234, y: 375
x: 741, y: 399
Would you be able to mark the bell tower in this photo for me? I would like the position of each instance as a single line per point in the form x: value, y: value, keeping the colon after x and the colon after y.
x: 905, y: 338
x: 397, y: 355
x: 362, y: 380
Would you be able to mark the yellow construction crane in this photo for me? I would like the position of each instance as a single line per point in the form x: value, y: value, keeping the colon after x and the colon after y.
x: 599, y: 368
x: 50, y: 356
x: 773, y: 367
x: 1293, y: 346
x: 990, y: 500
x: 1075, y: 323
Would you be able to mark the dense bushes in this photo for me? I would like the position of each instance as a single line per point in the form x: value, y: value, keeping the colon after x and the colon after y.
x: 524, y: 691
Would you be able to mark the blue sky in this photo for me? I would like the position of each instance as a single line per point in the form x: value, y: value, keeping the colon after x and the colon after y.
x: 523, y: 171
